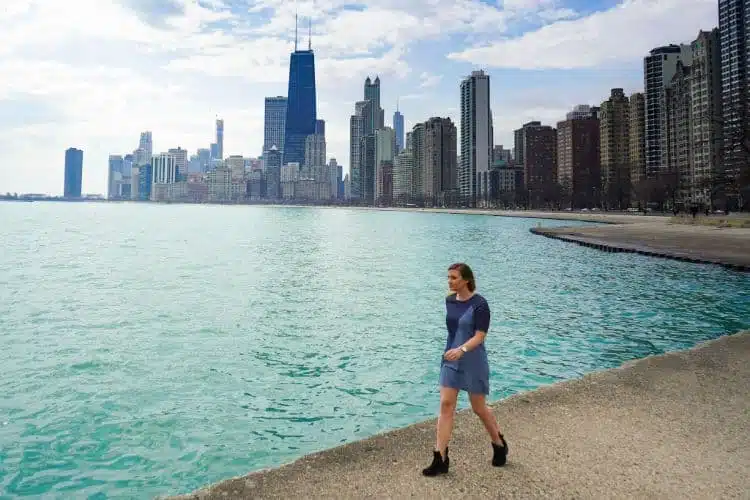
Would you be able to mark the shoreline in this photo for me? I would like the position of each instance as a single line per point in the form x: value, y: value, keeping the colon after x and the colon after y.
x: 726, y: 247
x: 657, y: 404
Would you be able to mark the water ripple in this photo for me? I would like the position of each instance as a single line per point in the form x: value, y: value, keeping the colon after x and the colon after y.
x: 154, y: 349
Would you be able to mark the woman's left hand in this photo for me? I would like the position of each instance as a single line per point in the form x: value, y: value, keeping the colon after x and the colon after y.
x: 453, y: 354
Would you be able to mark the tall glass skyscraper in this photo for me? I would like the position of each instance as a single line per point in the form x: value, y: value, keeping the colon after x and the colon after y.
x: 734, y: 32
x: 274, y: 127
x: 301, y: 110
x: 398, y: 126
x: 73, y: 173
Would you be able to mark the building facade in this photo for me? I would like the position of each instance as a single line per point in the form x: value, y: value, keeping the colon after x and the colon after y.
x: 73, y: 173
x: 440, y: 172
x: 659, y: 67
x: 614, y: 132
x: 301, y: 111
x: 637, y: 137
x: 274, y: 123
x: 578, y: 163
x: 734, y: 33
x: 476, y: 138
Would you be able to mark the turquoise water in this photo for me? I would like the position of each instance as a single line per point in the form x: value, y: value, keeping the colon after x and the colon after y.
x: 151, y: 349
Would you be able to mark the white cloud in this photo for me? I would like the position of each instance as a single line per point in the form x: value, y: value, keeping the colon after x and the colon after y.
x: 622, y: 34
x: 429, y: 80
x: 94, y: 73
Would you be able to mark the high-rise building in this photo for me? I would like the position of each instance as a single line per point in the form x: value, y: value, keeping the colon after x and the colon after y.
x: 583, y: 111
x: 204, y: 159
x: 301, y: 111
x: 236, y: 166
x: 706, y: 115
x: 501, y: 155
x: 274, y: 123
x: 440, y: 175
x: 734, y: 30
x: 476, y: 137
x: 398, y: 126
x: 385, y: 150
x: 114, y: 177
x: 677, y: 105
x: 359, y: 127
x: 403, y: 165
x: 578, y: 170
x: 614, y: 123
x: 146, y: 143
x: 372, y: 93
x: 367, y: 173
x: 637, y: 139
x: 658, y: 69
x: 518, y: 140
x: 315, y: 150
x: 181, y: 162
x: 539, y: 150
x: 416, y: 145
x: 164, y: 168
x: 220, y: 138
x: 73, y: 173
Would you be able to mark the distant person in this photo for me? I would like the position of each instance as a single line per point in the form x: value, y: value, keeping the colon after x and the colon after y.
x: 464, y: 367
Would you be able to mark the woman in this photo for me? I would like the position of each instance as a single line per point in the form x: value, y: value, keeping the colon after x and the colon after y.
x: 464, y: 367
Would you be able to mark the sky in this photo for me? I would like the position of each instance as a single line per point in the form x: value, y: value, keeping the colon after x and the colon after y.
x: 93, y: 74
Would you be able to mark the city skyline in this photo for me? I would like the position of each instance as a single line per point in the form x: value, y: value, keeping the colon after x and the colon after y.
x: 181, y: 108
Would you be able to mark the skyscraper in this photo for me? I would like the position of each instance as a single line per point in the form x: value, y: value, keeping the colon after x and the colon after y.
x: 301, y: 111
x: 372, y: 94
x: 440, y: 175
x: 615, y: 149
x: 658, y: 69
x: 73, y: 173
x: 385, y: 145
x: 476, y: 137
x: 637, y: 139
x: 578, y: 164
x: 398, y: 127
x: 734, y: 32
x: 274, y: 123
x: 220, y: 139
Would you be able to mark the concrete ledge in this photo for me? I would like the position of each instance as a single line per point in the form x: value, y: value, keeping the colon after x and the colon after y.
x: 668, y: 426
x: 729, y: 248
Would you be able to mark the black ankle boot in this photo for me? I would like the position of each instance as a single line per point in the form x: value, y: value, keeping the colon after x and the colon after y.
x: 500, y: 453
x: 438, y: 465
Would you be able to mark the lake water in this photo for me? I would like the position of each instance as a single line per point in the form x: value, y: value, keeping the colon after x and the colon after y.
x: 152, y: 349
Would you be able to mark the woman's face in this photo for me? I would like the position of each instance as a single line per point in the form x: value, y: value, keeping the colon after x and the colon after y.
x: 455, y: 281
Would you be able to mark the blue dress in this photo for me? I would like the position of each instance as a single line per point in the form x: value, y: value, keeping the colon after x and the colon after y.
x: 471, y: 372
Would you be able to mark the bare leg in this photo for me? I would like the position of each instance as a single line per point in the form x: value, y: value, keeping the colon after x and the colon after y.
x: 479, y: 405
x: 448, y: 399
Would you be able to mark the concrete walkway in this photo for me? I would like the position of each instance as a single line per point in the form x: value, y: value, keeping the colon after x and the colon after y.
x: 725, y: 246
x: 672, y: 426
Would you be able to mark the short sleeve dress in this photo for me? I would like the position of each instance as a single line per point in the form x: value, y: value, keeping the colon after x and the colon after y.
x: 471, y: 372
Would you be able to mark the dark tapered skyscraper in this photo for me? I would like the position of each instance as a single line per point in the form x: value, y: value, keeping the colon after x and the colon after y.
x: 73, y: 173
x: 301, y: 111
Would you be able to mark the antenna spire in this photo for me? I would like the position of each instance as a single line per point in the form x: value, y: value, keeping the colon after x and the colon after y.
x: 397, y: 103
x: 295, y: 32
x: 309, y: 34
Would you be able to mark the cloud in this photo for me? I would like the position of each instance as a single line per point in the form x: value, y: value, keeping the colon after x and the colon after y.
x: 95, y: 73
x: 429, y: 80
x: 624, y: 33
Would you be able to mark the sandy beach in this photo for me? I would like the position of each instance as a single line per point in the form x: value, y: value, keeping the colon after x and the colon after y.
x: 669, y: 426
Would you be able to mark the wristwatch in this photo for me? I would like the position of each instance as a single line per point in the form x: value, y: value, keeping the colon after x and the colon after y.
x: 464, y: 349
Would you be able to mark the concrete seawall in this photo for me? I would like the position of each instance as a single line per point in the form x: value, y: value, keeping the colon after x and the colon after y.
x: 700, y: 244
x: 668, y: 426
